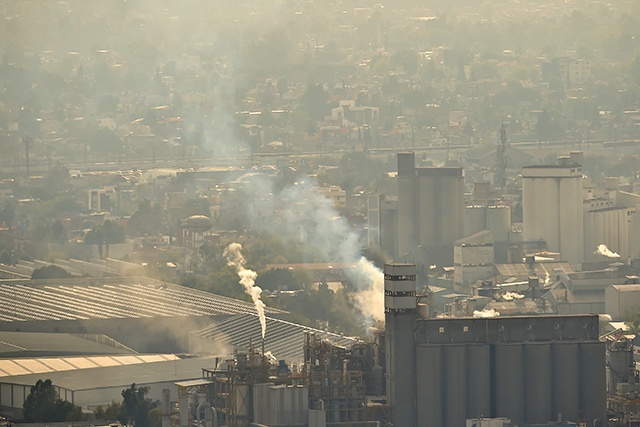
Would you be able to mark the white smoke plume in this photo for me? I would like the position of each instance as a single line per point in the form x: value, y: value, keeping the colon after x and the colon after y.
x: 301, y: 207
x: 233, y: 254
x: 370, y: 300
x: 604, y: 250
x: 510, y: 296
x: 486, y: 313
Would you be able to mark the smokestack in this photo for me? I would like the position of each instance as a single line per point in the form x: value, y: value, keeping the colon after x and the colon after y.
x: 400, y: 323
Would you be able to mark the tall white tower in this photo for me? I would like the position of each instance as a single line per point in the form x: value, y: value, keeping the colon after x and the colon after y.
x: 552, y: 208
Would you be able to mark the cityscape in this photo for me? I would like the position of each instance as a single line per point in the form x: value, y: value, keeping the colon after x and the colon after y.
x: 303, y: 213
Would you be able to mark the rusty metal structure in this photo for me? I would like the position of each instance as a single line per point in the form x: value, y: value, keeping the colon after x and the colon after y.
x: 231, y: 385
x: 339, y: 380
x: 623, y: 397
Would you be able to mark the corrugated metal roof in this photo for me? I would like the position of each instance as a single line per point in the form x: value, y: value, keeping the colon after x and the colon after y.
x: 48, y: 365
x: 121, y: 376
x: 35, y: 344
x: 541, y: 269
x: 91, y: 299
x: 283, y: 339
x: 592, y: 297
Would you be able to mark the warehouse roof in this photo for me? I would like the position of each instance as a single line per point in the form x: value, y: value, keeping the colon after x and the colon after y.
x: 52, y: 365
x: 121, y: 376
x: 34, y: 344
x: 283, y: 339
x: 541, y: 269
x: 80, y: 299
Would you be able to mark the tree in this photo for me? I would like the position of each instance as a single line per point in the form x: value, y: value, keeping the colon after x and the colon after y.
x: 314, y: 101
x: 111, y: 412
x: 105, y: 234
x: 50, y: 272
x: 147, y: 220
x: 632, y: 322
x: 136, y: 405
x: 44, y: 405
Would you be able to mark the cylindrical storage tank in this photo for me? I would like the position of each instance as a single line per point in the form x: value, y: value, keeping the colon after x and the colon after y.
x: 593, y: 381
x: 261, y: 406
x: 623, y: 233
x: 478, y: 380
x: 456, y: 385
x: 552, y: 216
x: 499, y: 222
x: 185, y: 410
x: 474, y: 219
x: 530, y: 217
x: 565, y: 380
x: 589, y: 224
x: 426, y: 220
x: 376, y: 385
x: 430, y: 386
x: 242, y: 402
x: 450, y: 211
x: 407, y: 203
x: 508, y: 382
x: 537, y: 377
x: 612, y: 231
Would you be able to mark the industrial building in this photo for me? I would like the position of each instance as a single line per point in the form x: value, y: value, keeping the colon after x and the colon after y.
x: 430, y: 209
x: 623, y: 385
x: 552, y: 198
x: 382, y: 222
x: 495, y: 218
x: 329, y: 387
x: 98, y: 380
x: 473, y: 259
x: 530, y: 369
x: 283, y: 339
x: 622, y: 300
x: 570, y: 214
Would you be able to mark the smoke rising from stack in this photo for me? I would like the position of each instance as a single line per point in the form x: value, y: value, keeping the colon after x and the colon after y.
x: 233, y: 254
x: 299, y: 211
x: 486, y: 313
x: 604, y: 250
x: 510, y: 296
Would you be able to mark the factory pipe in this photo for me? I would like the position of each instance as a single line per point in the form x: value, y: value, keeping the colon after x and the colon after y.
x: 212, y: 411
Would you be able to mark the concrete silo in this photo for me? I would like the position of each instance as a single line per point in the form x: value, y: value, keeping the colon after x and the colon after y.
x: 430, y: 207
x: 531, y: 369
x: 552, y: 208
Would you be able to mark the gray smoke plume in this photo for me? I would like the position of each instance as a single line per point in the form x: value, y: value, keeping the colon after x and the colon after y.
x: 233, y: 254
